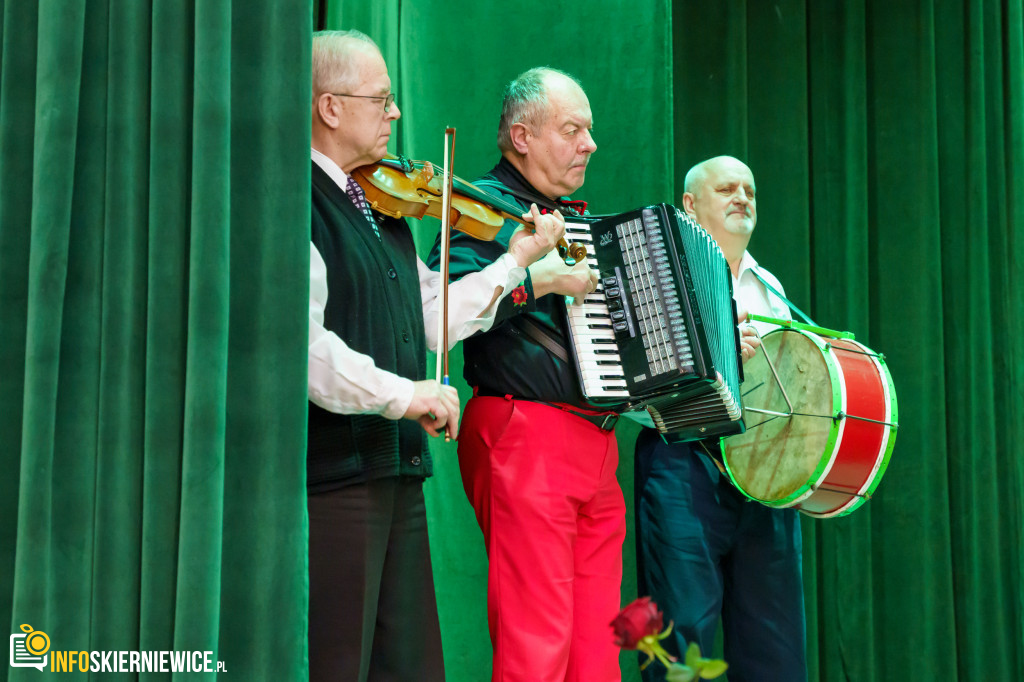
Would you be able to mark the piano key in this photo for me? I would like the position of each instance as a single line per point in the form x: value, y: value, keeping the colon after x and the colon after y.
x: 593, y: 334
x: 592, y: 366
x: 586, y: 308
x: 592, y: 380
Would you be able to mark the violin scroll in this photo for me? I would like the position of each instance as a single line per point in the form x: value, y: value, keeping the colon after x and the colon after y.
x: 576, y: 251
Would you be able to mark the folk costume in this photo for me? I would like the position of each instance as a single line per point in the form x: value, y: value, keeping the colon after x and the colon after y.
x: 538, y: 465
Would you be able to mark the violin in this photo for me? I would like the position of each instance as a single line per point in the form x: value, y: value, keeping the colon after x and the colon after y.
x: 400, y: 188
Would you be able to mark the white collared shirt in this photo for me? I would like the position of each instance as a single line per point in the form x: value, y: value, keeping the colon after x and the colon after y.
x: 345, y: 381
x: 753, y: 297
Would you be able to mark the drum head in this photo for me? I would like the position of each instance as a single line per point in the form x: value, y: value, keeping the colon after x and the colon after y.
x: 777, y: 458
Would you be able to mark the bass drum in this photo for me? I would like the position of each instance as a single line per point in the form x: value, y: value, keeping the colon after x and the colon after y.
x: 827, y: 454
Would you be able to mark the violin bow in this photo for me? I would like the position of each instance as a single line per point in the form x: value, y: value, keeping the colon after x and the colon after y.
x: 442, y: 316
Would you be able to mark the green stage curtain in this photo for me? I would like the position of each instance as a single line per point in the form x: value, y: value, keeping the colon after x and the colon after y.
x: 154, y: 217
x: 887, y: 140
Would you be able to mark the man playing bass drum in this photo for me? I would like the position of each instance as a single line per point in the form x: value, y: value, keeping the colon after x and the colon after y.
x: 703, y: 549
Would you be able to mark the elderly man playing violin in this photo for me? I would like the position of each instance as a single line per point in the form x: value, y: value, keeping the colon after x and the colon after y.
x: 538, y: 463
x: 372, y: 315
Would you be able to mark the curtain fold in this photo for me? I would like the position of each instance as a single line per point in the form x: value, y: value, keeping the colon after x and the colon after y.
x: 120, y: 258
x: 53, y: 528
x: 17, y: 104
x: 170, y: 157
x: 154, y: 217
x: 270, y: 172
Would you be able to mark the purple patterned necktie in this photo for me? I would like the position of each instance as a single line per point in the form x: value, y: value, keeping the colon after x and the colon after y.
x: 355, y: 193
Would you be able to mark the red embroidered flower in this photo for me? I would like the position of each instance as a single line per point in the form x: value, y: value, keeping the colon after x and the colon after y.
x: 519, y: 295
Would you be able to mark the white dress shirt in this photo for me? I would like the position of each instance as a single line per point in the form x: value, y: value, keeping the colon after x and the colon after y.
x: 753, y: 297
x: 345, y: 381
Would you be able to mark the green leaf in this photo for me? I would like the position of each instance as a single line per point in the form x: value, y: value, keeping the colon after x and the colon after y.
x: 679, y: 673
x: 710, y: 668
x: 693, y: 655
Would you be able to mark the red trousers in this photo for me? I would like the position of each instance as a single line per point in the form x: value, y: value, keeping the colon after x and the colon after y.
x: 542, y: 482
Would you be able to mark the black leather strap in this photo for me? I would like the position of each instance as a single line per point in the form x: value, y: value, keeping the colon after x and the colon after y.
x: 528, y: 197
x: 541, y: 336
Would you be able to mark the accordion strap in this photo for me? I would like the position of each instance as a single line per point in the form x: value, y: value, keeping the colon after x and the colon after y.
x: 541, y: 336
x: 529, y: 197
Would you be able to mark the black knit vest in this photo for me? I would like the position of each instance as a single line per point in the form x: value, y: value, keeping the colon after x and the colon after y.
x: 373, y: 305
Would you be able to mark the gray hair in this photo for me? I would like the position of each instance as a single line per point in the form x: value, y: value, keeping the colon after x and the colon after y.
x: 333, y: 68
x: 525, y: 100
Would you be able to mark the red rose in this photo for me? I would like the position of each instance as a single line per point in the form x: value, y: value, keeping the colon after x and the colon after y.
x: 519, y: 295
x: 638, y: 620
x: 638, y: 626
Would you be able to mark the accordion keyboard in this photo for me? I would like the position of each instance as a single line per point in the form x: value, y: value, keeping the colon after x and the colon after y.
x: 593, y: 331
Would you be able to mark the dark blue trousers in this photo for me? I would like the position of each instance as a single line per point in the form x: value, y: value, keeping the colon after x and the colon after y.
x: 704, y: 551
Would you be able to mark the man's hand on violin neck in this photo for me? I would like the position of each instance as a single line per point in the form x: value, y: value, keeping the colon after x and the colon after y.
x: 435, y: 406
x: 527, y: 246
x: 550, y: 275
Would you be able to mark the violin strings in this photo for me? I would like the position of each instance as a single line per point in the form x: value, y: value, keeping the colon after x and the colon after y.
x: 441, y: 173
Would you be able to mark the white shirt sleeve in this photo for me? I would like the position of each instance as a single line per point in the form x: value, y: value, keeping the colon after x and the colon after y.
x: 467, y: 298
x: 341, y: 379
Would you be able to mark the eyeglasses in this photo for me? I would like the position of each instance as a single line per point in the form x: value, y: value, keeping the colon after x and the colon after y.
x: 388, y: 100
